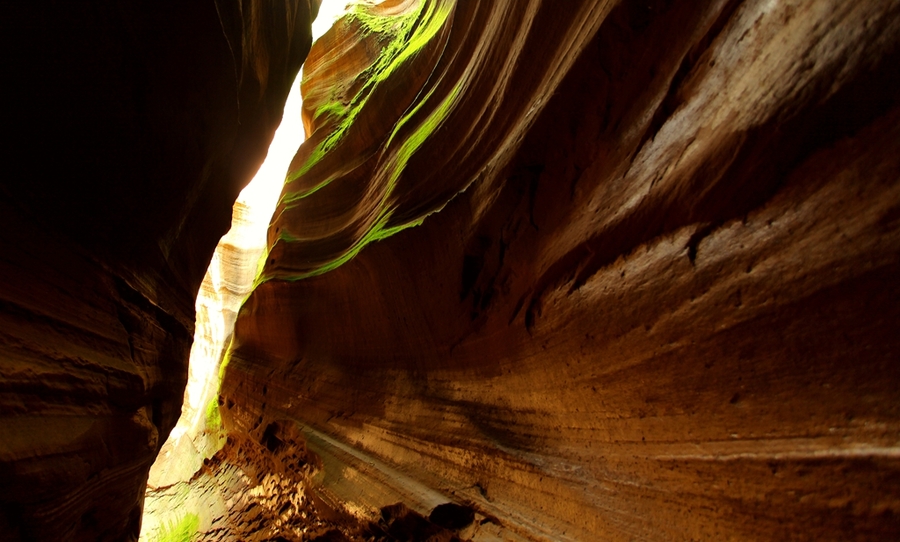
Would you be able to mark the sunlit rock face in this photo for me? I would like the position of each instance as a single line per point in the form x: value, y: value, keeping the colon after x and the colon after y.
x: 203, y: 484
x: 227, y: 282
x: 623, y: 270
x: 131, y: 129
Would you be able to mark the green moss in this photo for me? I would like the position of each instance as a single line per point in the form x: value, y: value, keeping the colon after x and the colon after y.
x: 215, y: 431
x: 213, y: 417
x: 376, y: 233
x: 334, y: 108
x: 213, y: 414
x: 434, y: 18
x: 402, y: 36
x: 381, y: 230
x: 226, y: 358
x: 398, y: 34
x: 420, y: 134
x: 183, y: 531
x: 372, y: 23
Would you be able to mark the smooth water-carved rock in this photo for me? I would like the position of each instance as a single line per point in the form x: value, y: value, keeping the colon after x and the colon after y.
x: 633, y: 278
x: 131, y: 129
x: 623, y: 270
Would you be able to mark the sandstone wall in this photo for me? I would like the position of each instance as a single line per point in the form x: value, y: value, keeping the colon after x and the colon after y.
x: 624, y: 270
x: 130, y: 129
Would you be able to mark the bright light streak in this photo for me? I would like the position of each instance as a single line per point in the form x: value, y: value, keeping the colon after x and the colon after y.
x: 261, y: 195
x: 227, y: 281
x: 260, y: 198
x: 329, y: 12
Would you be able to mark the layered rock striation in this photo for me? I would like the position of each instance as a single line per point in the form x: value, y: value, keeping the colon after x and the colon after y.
x: 624, y: 270
x: 130, y: 128
x: 197, y: 437
x: 619, y: 270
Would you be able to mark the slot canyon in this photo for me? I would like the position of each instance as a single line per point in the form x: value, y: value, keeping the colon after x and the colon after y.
x: 542, y: 270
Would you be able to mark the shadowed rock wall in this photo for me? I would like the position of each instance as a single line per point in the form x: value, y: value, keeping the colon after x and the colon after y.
x: 664, y: 304
x: 130, y: 129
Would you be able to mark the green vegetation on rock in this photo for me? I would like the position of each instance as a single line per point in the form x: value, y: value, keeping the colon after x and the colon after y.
x: 401, y: 37
x: 183, y: 531
x: 213, y: 418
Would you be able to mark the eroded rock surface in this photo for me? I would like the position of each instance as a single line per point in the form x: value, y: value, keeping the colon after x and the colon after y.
x: 635, y: 270
x: 130, y: 129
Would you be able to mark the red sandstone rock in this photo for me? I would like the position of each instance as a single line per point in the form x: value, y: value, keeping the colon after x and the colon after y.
x: 652, y: 296
x: 664, y: 305
x: 130, y: 129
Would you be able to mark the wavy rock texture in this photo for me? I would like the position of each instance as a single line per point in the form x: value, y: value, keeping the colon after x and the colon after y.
x: 652, y: 291
x: 228, y: 281
x: 174, y: 489
x: 130, y: 130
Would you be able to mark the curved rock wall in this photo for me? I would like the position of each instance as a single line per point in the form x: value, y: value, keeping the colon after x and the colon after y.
x: 131, y: 127
x: 635, y: 270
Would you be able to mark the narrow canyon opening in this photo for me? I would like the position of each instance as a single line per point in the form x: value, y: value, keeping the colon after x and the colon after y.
x: 542, y: 270
x: 180, y: 501
x: 173, y: 506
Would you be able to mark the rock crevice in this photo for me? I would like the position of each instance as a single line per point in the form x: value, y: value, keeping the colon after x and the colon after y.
x: 624, y: 270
